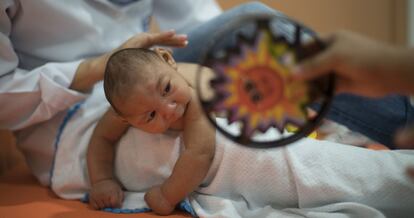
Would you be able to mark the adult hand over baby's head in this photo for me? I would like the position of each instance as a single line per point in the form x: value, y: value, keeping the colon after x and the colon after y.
x: 92, y: 70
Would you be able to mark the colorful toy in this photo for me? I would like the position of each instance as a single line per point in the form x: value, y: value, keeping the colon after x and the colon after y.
x: 252, y: 86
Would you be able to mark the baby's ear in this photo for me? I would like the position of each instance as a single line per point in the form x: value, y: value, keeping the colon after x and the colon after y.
x: 166, y: 55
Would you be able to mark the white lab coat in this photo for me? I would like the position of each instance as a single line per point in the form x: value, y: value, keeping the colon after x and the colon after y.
x: 42, y: 42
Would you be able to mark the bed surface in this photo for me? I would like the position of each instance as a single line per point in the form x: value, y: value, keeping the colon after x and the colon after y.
x: 22, y: 196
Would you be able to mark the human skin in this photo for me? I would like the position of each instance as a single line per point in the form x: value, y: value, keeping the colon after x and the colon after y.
x: 91, y: 70
x: 363, y: 66
x: 199, y: 140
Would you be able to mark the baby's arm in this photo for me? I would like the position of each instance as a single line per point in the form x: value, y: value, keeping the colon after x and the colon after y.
x: 192, y: 165
x: 105, y: 190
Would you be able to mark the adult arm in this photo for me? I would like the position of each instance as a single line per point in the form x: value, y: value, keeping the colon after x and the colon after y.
x: 30, y: 96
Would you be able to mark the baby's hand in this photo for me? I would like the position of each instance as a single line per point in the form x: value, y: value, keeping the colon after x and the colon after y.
x: 157, y: 201
x: 106, y: 193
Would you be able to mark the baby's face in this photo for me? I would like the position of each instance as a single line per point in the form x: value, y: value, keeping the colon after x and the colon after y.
x: 159, y: 103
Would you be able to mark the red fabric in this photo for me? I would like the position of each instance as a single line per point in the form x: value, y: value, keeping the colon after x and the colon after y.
x: 22, y: 196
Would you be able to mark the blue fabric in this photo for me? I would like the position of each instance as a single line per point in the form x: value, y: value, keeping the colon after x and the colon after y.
x: 118, y: 210
x: 183, y: 206
x: 123, y: 2
x: 186, y: 206
x: 67, y: 117
x: 378, y: 119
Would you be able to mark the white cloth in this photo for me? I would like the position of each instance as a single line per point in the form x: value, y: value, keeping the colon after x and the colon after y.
x: 309, y: 178
x: 42, y: 43
x: 38, y: 142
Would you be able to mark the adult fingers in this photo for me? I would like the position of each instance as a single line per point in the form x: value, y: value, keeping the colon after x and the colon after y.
x: 316, y: 66
x: 410, y: 172
x: 342, y: 85
x: 146, y: 40
x: 405, y: 138
x: 168, y: 38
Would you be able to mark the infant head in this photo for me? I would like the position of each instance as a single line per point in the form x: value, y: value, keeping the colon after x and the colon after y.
x: 145, y: 89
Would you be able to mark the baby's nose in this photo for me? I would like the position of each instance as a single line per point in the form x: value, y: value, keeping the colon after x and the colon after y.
x: 172, y: 105
x: 170, y: 108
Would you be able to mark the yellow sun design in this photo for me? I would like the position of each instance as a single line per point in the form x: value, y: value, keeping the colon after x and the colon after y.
x: 261, y: 92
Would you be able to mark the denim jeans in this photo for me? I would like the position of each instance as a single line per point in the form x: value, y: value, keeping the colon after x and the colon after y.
x: 378, y: 119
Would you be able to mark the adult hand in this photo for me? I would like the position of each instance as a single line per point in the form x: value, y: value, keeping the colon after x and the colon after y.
x: 106, y: 193
x: 362, y: 66
x: 146, y: 40
x: 410, y: 172
x: 405, y: 138
x: 157, y: 201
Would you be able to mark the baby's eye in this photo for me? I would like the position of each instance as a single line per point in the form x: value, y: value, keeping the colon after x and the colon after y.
x: 167, y: 89
x: 151, y: 116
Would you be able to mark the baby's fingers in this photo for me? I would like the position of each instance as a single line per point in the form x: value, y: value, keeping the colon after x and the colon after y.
x: 98, y: 203
x: 93, y: 204
x: 121, y: 196
x: 111, y: 201
x: 115, y: 201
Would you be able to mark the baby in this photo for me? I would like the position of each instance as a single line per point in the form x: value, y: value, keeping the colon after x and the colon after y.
x: 148, y: 91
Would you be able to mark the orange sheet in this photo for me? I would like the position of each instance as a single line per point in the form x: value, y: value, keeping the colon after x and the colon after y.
x: 22, y: 196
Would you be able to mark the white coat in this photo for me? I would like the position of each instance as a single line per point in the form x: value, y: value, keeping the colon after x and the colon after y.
x: 42, y: 42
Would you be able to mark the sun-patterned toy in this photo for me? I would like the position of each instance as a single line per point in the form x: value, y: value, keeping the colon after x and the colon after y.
x: 251, y: 86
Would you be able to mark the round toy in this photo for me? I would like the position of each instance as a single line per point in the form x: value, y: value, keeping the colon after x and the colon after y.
x: 250, y: 85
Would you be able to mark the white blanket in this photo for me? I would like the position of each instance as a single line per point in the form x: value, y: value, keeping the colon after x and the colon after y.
x: 307, y: 179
